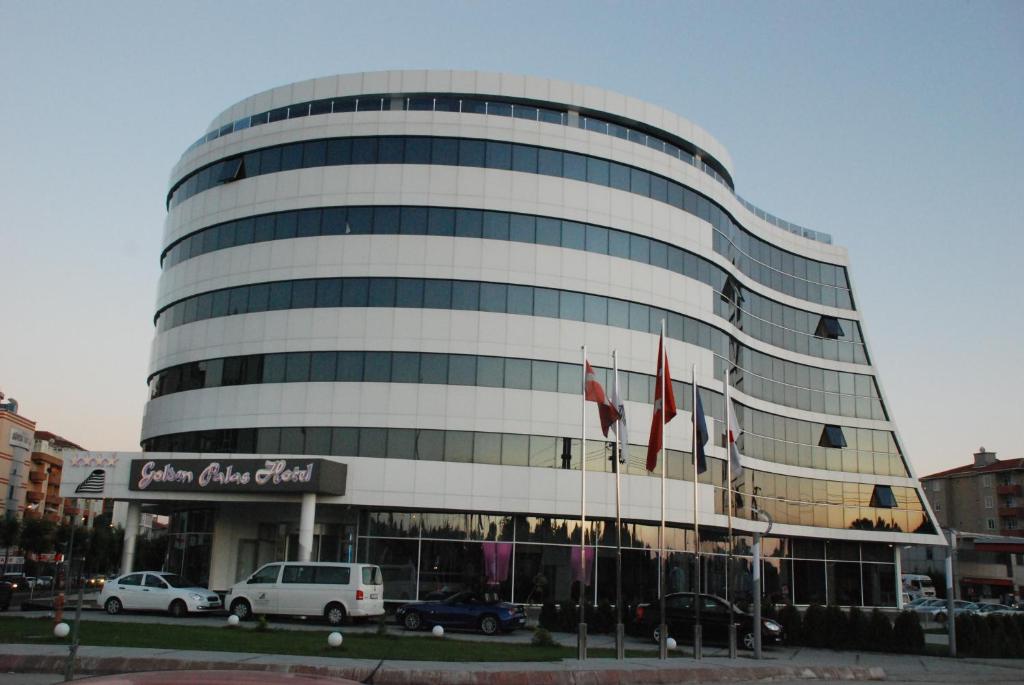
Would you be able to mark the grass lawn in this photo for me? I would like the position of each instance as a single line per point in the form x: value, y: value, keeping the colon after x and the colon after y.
x: 297, y: 642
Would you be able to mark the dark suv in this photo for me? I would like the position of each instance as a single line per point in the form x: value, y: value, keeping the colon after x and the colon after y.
x: 5, y: 595
x: 715, y: 616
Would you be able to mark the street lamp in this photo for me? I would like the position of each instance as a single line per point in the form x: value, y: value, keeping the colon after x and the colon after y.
x: 950, y: 584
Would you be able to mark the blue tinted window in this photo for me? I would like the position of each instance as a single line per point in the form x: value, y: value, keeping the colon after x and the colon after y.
x: 382, y: 292
x: 521, y: 228
x: 414, y: 220
x: 441, y: 221
x: 469, y: 223
x: 575, y: 166
x: 524, y: 158
x: 350, y: 367
x: 409, y: 293
x: 472, y: 153
x: 377, y: 367
x: 355, y: 292
x: 391, y: 150
x: 417, y: 150
x: 549, y: 162
x: 360, y: 220
x: 493, y: 297
x: 549, y: 231
x: 465, y: 295
x: 286, y: 226
x: 437, y: 294
x: 280, y: 295
x: 499, y: 155
x: 545, y: 302
x: 364, y: 150
x: 445, y: 151
x: 496, y: 225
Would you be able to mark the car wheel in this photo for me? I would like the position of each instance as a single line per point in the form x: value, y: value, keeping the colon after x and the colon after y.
x: 748, y: 640
x: 335, y: 614
x: 178, y: 609
x: 412, y: 621
x: 489, y: 625
x: 656, y: 635
x: 113, y: 606
x: 242, y: 609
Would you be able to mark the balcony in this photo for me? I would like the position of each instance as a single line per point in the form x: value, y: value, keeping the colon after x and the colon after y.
x: 37, y: 475
x: 1011, y: 489
x: 53, y: 516
x: 54, y: 500
x: 1006, y: 512
x: 72, y: 511
x: 34, y: 496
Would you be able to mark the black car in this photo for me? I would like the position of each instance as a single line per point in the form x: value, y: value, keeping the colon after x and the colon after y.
x: 469, y: 610
x: 5, y: 595
x: 715, y: 616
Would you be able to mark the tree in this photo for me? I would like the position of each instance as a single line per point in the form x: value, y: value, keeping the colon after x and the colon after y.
x: 37, y: 536
x: 10, y: 532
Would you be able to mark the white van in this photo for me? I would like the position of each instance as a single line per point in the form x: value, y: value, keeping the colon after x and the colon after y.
x: 311, y: 588
x: 918, y: 585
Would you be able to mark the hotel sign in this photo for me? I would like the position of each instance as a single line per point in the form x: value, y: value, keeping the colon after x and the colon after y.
x: 273, y: 476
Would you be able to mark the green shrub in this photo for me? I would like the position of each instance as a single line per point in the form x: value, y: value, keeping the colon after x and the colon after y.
x: 792, y: 623
x: 549, y: 616
x: 985, y: 641
x: 837, y: 628
x: 568, y: 616
x: 907, y: 634
x: 1014, y: 636
x: 604, y: 618
x: 814, y: 628
x: 382, y: 624
x: 857, y: 629
x: 261, y: 623
x: 966, y: 636
x: 879, y: 632
x: 542, y: 638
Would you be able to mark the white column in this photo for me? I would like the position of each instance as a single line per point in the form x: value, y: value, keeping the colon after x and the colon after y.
x: 306, y: 518
x: 898, y: 554
x: 131, y: 531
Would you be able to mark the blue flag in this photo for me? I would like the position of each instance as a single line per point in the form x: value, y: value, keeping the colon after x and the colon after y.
x: 702, y: 435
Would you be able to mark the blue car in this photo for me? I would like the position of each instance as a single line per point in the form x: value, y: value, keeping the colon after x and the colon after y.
x: 465, y: 610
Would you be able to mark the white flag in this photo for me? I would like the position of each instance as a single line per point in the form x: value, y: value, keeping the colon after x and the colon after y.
x: 619, y: 426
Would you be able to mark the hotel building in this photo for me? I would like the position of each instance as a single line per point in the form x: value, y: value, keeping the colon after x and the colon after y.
x: 385, y: 280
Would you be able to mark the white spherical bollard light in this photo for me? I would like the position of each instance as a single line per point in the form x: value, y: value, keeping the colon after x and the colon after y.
x: 670, y: 643
x: 61, y: 630
x: 335, y: 639
x: 438, y: 631
x: 232, y: 620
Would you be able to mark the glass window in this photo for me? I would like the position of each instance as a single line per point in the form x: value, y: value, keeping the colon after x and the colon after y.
x: 297, y: 367
x: 267, y: 574
x: 524, y: 158
x: 571, y: 306
x: 382, y: 292
x: 355, y: 292
x: 433, y: 368
x: 472, y: 153
x: 377, y: 367
x: 280, y: 295
x: 328, y: 292
x: 441, y: 221
x: 520, y: 299
x: 545, y: 302
x: 409, y: 293
x: 575, y: 166
x: 495, y: 225
x: 303, y: 294
x: 549, y: 162
x: 490, y: 372
x: 465, y: 295
x: 437, y: 294
x: 469, y: 223
x: 333, y: 575
x: 322, y: 366
x: 499, y: 155
x: 274, y: 368
x: 517, y: 374
x: 405, y: 367
x: 521, y: 228
x: 364, y: 150
x: 461, y: 369
x: 445, y: 151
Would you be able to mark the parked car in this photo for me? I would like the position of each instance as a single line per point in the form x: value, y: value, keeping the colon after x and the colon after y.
x: 925, y: 607
x: 960, y: 607
x: 335, y: 591
x: 995, y: 610
x: 157, y: 591
x: 715, y: 616
x: 5, y: 595
x: 18, y: 581
x: 467, y: 610
x: 44, y: 582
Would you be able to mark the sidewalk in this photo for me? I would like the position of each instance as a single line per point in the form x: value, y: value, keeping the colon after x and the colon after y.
x: 19, y: 658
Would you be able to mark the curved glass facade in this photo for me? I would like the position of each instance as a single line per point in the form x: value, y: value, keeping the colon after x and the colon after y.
x: 765, y: 319
x: 766, y: 266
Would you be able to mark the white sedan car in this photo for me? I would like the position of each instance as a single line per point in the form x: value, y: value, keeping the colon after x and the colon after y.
x: 157, y: 591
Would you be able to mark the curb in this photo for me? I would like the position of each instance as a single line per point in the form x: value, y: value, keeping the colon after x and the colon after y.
x: 393, y: 675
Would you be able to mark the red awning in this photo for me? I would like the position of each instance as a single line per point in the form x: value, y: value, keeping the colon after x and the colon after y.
x: 1002, y: 582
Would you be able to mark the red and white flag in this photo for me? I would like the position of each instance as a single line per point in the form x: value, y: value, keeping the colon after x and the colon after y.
x: 595, y: 393
x: 666, y: 405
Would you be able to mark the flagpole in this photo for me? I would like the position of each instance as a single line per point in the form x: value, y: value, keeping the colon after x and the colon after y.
x: 662, y: 571
x: 697, y: 630
x: 620, y: 630
x: 581, y: 632
x: 729, y: 498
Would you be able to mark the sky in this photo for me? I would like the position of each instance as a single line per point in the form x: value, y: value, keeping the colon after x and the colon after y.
x: 896, y: 127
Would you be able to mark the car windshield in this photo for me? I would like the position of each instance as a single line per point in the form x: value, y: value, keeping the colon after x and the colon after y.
x: 177, y: 581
